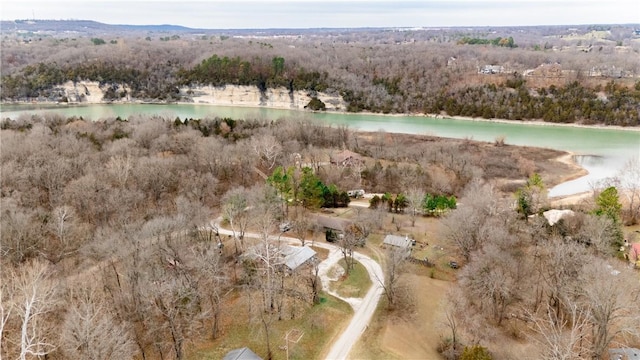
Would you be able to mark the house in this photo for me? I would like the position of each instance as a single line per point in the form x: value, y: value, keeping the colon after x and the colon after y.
x: 296, y: 256
x: 554, y: 215
x: 402, y: 242
x: 624, y: 354
x: 334, y: 228
x: 346, y: 158
x: 491, y: 69
x: 285, y: 257
x: 241, y: 354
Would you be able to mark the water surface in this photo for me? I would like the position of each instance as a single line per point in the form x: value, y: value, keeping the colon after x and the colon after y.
x: 601, y: 151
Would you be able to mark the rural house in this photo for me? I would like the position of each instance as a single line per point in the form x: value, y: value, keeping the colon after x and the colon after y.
x: 346, y: 158
x: 398, y: 241
x: 296, y: 256
x: 334, y: 228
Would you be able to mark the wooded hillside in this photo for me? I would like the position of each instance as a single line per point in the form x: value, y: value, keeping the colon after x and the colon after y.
x: 454, y: 72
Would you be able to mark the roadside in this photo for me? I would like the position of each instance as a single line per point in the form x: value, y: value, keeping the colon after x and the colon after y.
x: 364, y: 308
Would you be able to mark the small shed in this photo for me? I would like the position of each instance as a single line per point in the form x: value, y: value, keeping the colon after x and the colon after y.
x: 296, y: 256
x: 398, y: 241
x: 241, y: 354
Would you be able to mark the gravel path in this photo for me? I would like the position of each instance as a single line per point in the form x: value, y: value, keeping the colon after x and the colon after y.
x: 363, y: 308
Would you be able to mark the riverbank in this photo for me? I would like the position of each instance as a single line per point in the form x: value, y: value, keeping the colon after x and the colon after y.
x: 88, y: 93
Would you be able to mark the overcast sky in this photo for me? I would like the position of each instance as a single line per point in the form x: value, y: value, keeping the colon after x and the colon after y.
x: 226, y: 14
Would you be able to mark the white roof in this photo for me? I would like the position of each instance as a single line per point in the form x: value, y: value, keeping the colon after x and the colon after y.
x: 399, y: 241
x: 296, y: 256
x: 554, y: 215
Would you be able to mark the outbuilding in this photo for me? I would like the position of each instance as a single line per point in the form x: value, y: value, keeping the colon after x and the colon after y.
x: 241, y: 354
x: 403, y: 242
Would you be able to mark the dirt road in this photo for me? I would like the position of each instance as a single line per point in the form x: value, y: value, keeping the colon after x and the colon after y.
x: 363, y: 307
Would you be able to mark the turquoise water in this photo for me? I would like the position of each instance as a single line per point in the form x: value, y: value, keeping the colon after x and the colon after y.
x: 607, y: 150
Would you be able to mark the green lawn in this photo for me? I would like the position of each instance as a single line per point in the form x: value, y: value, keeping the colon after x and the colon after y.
x: 355, y: 285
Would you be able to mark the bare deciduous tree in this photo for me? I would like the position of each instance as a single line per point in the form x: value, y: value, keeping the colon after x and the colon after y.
x: 34, y: 299
x: 212, y: 282
x: 628, y: 181
x: 67, y: 234
x: 610, y: 298
x: 90, y: 330
x: 235, y: 210
x: 563, y: 338
x: 415, y: 197
x: 268, y: 148
x: 462, y: 227
x: 119, y: 168
x: 394, y: 262
x: 301, y: 224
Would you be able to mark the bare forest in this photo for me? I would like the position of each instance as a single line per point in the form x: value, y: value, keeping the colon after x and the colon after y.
x: 556, y: 74
x: 147, y: 237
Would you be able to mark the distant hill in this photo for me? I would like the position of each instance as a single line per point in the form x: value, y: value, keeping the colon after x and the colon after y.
x: 92, y: 28
x: 88, y: 27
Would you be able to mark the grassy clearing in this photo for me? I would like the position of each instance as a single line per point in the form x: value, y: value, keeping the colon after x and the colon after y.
x: 319, y: 324
x: 355, y: 285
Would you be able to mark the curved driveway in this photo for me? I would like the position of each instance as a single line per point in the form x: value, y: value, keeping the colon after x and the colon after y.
x: 363, y: 308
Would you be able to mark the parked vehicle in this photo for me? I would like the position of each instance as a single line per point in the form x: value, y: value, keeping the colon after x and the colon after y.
x: 285, y: 226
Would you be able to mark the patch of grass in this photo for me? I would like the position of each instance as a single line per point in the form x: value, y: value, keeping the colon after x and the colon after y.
x: 356, y: 284
x: 319, y: 325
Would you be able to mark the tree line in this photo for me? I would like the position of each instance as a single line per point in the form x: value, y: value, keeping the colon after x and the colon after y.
x: 370, y: 74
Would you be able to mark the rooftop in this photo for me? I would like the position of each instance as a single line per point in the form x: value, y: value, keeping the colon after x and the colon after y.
x: 399, y: 241
x: 295, y: 256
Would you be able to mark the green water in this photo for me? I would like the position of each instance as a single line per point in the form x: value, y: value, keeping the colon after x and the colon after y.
x: 605, y: 150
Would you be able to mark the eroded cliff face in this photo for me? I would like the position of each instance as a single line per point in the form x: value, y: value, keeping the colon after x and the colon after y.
x: 229, y: 95
x: 91, y: 92
x: 252, y: 96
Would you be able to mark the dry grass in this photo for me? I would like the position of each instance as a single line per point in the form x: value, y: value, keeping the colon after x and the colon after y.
x: 319, y: 325
x: 398, y: 335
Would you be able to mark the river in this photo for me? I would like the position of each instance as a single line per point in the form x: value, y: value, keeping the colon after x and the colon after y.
x: 600, y: 151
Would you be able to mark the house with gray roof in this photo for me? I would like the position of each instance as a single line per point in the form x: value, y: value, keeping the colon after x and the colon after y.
x: 241, y: 354
x: 402, y: 242
x: 296, y: 256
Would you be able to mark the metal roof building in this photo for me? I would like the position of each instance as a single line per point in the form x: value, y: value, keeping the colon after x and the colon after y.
x: 241, y: 354
x: 398, y: 241
x: 296, y: 256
